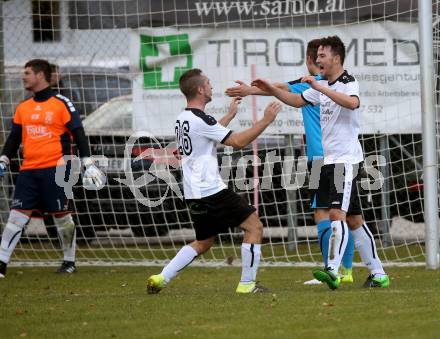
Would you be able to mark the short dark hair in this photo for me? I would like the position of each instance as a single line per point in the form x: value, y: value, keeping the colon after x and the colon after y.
x: 336, y: 45
x: 312, y: 49
x: 54, y: 68
x: 40, y: 65
x: 190, y: 81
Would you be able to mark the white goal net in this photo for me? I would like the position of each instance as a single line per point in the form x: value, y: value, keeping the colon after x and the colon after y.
x: 120, y: 62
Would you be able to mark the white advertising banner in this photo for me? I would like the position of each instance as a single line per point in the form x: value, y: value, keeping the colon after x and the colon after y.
x: 383, y: 56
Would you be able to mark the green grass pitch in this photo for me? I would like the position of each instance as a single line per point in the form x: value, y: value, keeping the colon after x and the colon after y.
x: 111, y: 302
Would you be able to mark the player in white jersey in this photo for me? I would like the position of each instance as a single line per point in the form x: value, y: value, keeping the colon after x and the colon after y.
x: 315, y: 154
x: 338, y: 96
x: 214, y: 208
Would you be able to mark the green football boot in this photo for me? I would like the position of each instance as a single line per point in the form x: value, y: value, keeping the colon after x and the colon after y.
x: 251, y: 287
x: 346, y: 275
x: 329, y: 277
x: 382, y: 281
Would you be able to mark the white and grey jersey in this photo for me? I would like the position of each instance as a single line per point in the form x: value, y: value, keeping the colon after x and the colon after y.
x: 197, y: 137
x: 340, y: 126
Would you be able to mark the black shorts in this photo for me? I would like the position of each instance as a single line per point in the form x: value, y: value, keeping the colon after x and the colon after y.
x: 218, y: 213
x: 339, y: 191
x: 37, y: 190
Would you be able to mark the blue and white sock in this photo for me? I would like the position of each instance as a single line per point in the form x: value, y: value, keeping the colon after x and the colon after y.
x: 324, y: 233
x: 347, y: 258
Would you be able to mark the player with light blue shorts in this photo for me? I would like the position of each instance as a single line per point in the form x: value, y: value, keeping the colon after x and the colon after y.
x: 315, y: 155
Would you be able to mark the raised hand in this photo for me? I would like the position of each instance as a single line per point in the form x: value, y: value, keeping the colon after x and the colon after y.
x: 311, y: 81
x: 233, y: 107
x: 241, y: 90
x: 264, y: 85
x: 271, y: 111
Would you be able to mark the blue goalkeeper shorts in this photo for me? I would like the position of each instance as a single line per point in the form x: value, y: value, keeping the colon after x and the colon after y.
x: 37, y: 190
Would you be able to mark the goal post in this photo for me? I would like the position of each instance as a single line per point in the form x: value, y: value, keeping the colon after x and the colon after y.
x: 120, y: 62
x: 430, y: 158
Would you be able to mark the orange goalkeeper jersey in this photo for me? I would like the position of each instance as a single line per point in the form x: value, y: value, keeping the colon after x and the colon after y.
x: 46, y: 127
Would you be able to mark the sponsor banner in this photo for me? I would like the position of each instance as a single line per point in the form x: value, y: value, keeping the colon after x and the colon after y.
x: 94, y: 14
x: 384, y: 57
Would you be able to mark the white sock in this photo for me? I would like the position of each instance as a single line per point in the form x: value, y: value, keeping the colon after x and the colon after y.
x: 364, y: 241
x: 337, y: 244
x: 250, y: 259
x: 67, y: 234
x: 11, y: 234
x: 69, y: 252
x: 182, y: 259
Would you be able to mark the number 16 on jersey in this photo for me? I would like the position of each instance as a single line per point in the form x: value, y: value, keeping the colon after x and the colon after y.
x: 183, y: 139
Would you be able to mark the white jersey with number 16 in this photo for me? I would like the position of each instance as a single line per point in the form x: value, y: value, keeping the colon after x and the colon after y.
x: 197, y: 137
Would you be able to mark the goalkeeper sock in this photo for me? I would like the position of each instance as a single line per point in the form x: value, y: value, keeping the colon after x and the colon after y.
x: 69, y: 252
x: 67, y: 234
x: 183, y: 258
x: 250, y: 259
x: 11, y: 234
x: 347, y: 258
x: 366, y: 246
x: 324, y: 233
x: 337, y: 244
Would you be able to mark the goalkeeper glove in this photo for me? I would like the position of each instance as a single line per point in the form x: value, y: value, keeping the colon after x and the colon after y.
x: 4, y: 162
x: 93, y: 178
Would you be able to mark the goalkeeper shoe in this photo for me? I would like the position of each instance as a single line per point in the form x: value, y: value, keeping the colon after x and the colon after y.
x: 67, y: 267
x: 328, y: 276
x: 251, y: 287
x: 375, y: 280
x: 346, y: 275
x: 155, y: 283
x: 3, y: 267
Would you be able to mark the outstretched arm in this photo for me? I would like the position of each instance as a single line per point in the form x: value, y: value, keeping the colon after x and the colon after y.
x: 243, y: 90
x: 244, y: 138
x: 288, y: 98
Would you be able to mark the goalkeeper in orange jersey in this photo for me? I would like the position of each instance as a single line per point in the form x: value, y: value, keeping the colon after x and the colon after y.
x: 46, y: 125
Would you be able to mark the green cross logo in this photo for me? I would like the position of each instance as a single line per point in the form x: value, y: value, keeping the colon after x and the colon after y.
x: 163, y: 59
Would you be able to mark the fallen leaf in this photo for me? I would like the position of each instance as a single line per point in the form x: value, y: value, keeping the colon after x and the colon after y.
x: 328, y: 304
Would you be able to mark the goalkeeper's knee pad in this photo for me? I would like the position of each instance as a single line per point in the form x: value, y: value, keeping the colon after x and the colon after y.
x: 18, y: 219
x: 11, y: 234
x: 66, y: 230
